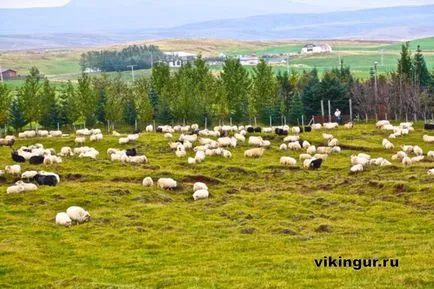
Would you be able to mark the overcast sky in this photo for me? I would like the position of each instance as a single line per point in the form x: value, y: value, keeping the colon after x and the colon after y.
x: 325, y: 5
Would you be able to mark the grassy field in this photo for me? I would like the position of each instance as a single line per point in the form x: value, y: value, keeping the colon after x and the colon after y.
x: 359, y: 55
x: 262, y: 227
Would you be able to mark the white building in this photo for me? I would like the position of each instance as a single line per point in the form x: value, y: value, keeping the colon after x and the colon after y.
x: 178, y: 58
x: 249, y: 60
x: 316, y: 48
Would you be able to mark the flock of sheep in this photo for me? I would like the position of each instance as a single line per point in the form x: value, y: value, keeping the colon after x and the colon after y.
x: 203, y: 143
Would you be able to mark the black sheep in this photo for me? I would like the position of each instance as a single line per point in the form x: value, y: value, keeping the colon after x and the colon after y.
x: 131, y: 152
x: 316, y: 163
x: 250, y: 129
x: 429, y: 126
x: 17, y: 158
x: 195, y: 132
x: 36, y: 160
x: 45, y: 180
x: 307, y: 129
x: 258, y: 129
x: 137, y: 131
x: 281, y: 132
x: 159, y: 129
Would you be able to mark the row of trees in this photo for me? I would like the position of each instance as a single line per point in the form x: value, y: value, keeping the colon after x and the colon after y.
x: 110, y: 60
x: 194, y: 93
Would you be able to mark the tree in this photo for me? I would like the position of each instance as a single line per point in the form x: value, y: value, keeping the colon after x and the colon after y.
x: 100, y: 85
x: 69, y: 105
x: 161, y: 92
x: 421, y: 75
x: 309, y: 94
x: 405, y: 66
x: 31, y: 97
x: 17, y: 118
x: 296, y: 110
x: 5, y: 103
x: 116, y: 95
x: 330, y: 88
x: 205, y: 87
x: 49, y: 106
x: 87, y: 99
x: 236, y: 82
x: 142, y: 100
x: 264, y: 90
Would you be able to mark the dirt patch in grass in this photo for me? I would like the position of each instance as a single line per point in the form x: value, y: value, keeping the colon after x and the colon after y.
x: 73, y: 177
x: 248, y: 231
x: 202, y: 179
x: 354, y: 148
x: 126, y: 180
x: 232, y: 191
x: 118, y: 193
x: 240, y: 170
x: 323, y: 229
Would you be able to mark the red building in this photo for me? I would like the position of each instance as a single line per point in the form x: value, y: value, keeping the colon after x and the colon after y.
x: 8, y: 73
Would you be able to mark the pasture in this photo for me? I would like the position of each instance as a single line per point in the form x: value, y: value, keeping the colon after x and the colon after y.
x: 262, y: 227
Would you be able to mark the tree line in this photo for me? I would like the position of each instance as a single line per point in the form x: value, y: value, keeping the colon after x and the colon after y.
x: 110, y: 60
x: 194, y: 93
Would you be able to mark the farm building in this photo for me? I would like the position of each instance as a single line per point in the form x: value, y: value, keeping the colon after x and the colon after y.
x: 178, y: 58
x: 8, y: 73
x: 316, y: 48
x: 249, y: 59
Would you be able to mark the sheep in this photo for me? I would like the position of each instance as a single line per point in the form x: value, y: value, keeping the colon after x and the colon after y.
x: 240, y: 137
x: 65, y: 151
x: 407, y: 161
x: 333, y: 142
x: 116, y: 134
x: 13, y: 170
x: 382, y: 123
x: 16, y: 157
x: 200, y: 156
x: 330, y: 125
x: 254, y: 153
x: 294, y: 146
x: 168, y: 135
x: 283, y: 147
x: 62, y: 219
x: 78, y: 214
x: 148, y: 182
x: 295, y: 129
x: 133, y: 137
x: 55, y: 133
x: 291, y: 138
x: 190, y: 138
x: 227, y: 154
x: 28, y: 175
x: 194, y: 126
x: 15, y: 189
x: 417, y: 159
x: 431, y: 172
x: 166, y: 183
x: 321, y: 156
x: 199, y: 186
x: 311, y: 150
x: 255, y: 140
x: 303, y: 157
x: 268, y: 130
x: 312, y: 163
x: 316, y: 126
x: 407, y: 148
x: 430, y: 154
x: 180, y: 152
x: 224, y: 141
x: 428, y: 138
x: 191, y: 161
x: 417, y: 150
x: 83, y: 132
x: 266, y: 143
x: 356, y: 168
x: 149, y: 128
x: 124, y: 140
x: 349, y: 125
x: 305, y: 144
x: 96, y: 137
x: 89, y: 154
x: 336, y: 149
x: 366, y: 156
x: 327, y: 136
x: 387, y: 144
x: 385, y: 163
x: 7, y: 141
x: 137, y: 159
x: 49, y: 160
x: 288, y: 161
x: 119, y: 157
x: 358, y: 160
x: 324, y: 150
x: 80, y: 140
x: 27, y: 187
x: 200, y: 194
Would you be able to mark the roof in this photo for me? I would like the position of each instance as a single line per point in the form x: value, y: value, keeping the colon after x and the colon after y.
x: 2, y: 70
x: 180, y: 54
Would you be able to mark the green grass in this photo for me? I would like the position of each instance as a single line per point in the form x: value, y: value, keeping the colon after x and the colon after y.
x: 257, y: 230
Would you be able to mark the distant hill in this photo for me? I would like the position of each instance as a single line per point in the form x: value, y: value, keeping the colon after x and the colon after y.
x: 91, y: 23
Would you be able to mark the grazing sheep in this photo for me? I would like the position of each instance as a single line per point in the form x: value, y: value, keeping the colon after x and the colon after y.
x: 15, y: 189
x: 166, y: 183
x: 199, y: 186
x: 49, y: 160
x: 295, y: 129
x: 431, y: 172
x: 137, y: 160
x: 89, y: 154
x: 148, y: 182
x: 149, y: 128
x: 407, y: 148
x: 124, y: 140
x: 227, y: 154
x: 116, y: 134
x: 28, y: 175
x: 305, y: 144
x: 168, y: 135
x: 78, y: 214
x: 336, y: 150
x: 330, y: 125
x: 200, y: 156
x: 349, y: 125
x: 200, y: 194
x: 96, y: 137
x: 428, y: 138
x: 27, y: 187
x: 417, y: 150
x: 358, y: 160
x: 80, y: 140
x: 254, y: 153
x: 430, y: 154
x: 385, y: 163
x: 291, y: 138
x: 311, y: 150
x: 356, y: 168
x: 66, y: 151
x: 321, y: 156
x: 417, y: 159
x: 62, y: 219
x: 316, y: 126
x: 240, y: 137
x: 133, y: 137
x: 13, y: 170
x: 7, y: 141
x: 180, y: 152
x: 327, y: 136
x: 324, y: 150
x: 333, y: 142
x: 191, y: 161
x: 387, y: 144
x: 382, y: 123
x: 266, y: 143
x: 283, y: 147
x: 366, y: 156
x: 255, y: 140
x: 303, y: 157
x: 312, y: 163
x: 407, y: 161
x: 288, y: 161
x: 16, y: 157
x: 294, y: 146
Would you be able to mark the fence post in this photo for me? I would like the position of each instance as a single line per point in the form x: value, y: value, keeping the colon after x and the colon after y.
x: 284, y: 119
x: 385, y: 116
x: 6, y: 130
x: 366, y: 117
x: 322, y: 110
x: 108, y: 126
x: 135, y: 124
x: 351, y: 110
x: 230, y: 120
x: 424, y: 117
x: 302, y: 121
x: 406, y: 117
x: 330, y: 112
x: 155, y: 129
x: 432, y: 116
x: 415, y: 117
x: 255, y: 122
x: 396, y: 116
x: 183, y: 122
x: 271, y: 124
x: 206, y: 123
x: 376, y: 116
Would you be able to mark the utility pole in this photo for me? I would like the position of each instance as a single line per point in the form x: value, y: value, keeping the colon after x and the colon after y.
x: 375, y: 85
x: 132, y: 70
x: 1, y: 74
x: 382, y: 57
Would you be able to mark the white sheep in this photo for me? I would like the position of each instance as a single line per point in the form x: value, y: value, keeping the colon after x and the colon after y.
x: 80, y: 140
x: 96, y: 137
x: 333, y: 142
x: 89, y: 154
x: 124, y: 140
x: 29, y: 175
x: 336, y: 149
x: 431, y: 172
x: 240, y: 137
x: 283, y: 147
x: 28, y: 187
x: 66, y: 151
x: 63, y: 219
x: 254, y: 153
x: 200, y: 156
x: 168, y: 135
x: 266, y: 143
x: 303, y: 157
x: 311, y: 150
x: 324, y: 150
x: 407, y: 161
x: 321, y: 156
x: 417, y: 150
x: 417, y: 159
x: 255, y: 140
x: 316, y: 126
x: 180, y: 152
x: 116, y: 134
x: 148, y: 182
x: 133, y: 137
x: 428, y: 138
x: 166, y: 183
x: 191, y: 161
x: 13, y: 170
x: 295, y: 129
x: 199, y: 186
x: 227, y: 154
x: 294, y: 146
x: 291, y: 138
x: 349, y: 125
x: 327, y: 136
x: 149, y: 128
x: 288, y: 161
x: 381, y: 123
x: 330, y: 125
x: 356, y: 168
x: 407, y: 148
x: 78, y: 214
x: 200, y: 194
x: 357, y: 160
x: 430, y: 154
x: 366, y: 156
x: 137, y: 160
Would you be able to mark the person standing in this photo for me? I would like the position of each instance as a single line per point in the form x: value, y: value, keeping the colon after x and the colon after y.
x: 338, y: 115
